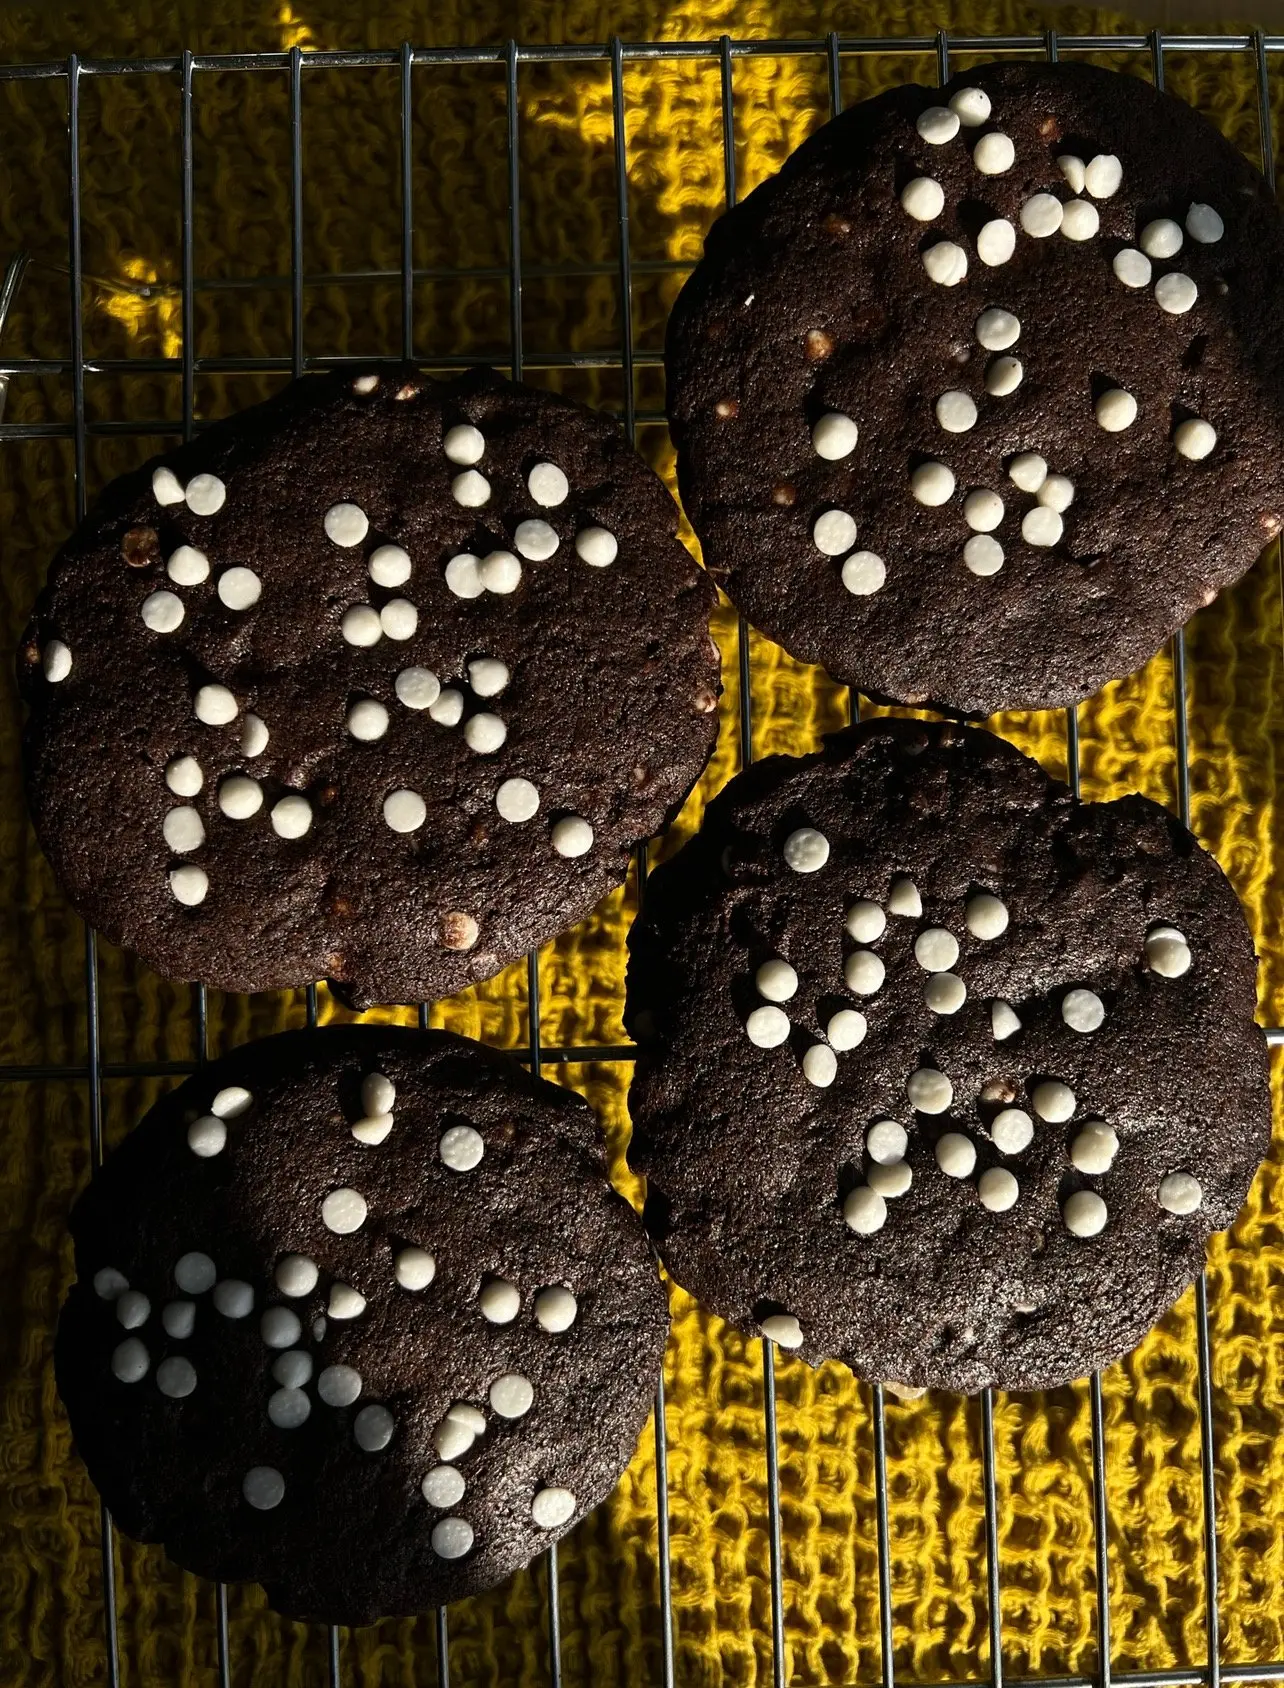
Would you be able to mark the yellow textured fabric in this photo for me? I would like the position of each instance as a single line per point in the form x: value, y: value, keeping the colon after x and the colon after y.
x: 51, y: 1603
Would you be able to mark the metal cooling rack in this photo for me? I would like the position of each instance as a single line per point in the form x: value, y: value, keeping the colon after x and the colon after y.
x: 1258, y: 49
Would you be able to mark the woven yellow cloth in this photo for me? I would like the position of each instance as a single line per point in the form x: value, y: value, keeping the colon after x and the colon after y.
x: 51, y: 1605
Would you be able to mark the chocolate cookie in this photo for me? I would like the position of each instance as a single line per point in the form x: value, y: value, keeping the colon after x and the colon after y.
x: 378, y: 681
x: 943, y: 1074
x: 358, y: 1317
x: 980, y: 397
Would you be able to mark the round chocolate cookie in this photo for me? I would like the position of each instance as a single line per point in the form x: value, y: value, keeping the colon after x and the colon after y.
x: 982, y: 395
x: 943, y: 1073
x: 358, y: 1317
x: 379, y: 681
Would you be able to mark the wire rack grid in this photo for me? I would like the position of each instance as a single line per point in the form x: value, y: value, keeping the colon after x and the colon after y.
x: 1258, y: 48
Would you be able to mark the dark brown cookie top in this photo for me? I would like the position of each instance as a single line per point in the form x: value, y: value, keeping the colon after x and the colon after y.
x: 358, y: 1317
x: 979, y: 398
x: 944, y: 1074
x: 378, y: 681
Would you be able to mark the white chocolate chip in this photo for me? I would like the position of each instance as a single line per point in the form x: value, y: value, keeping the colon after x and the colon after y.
x: 903, y: 898
x: 404, y: 811
x: 776, y: 980
x: 472, y: 1418
x: 1195, y: 438
x: 983, y: 555
x: 891, y: 1180
x: 1161, y: 239
x: 535, y: 539
x: 346, y: 524
x: 484, y: 733
x: 443, y: 1486
x: 206, y: 1136
x: 783, y: 1329
x: 806, y: 850
x: 344, y: 1211
x: 937, y: 125
x: 945, y: 263
x: 1094, y: 1148
x: 1204, y: 225
x: 215, y: 706
x: 233, y: 1298
x: 547, y: 485
x: 1042, y: 527
x: 924, y: 200
x: 1167, y: 952
x: 956, y: 1155
x: 1004, y: 1022
x: 997, y: 329
x: 572, y: 836
x: 1080, y: 219
x: 1041, y: 215
x: 1073, y: 170
x: 936, y: 950
x: 1082, y: 1010
x: 378, y: 1093
x: 499, y: 1301
x: 292, y: 1369
x: 1003, y: 376
x: 194, y: 1273
x: 130, y: 1360
x: 886, y: 1142
x: 133, y: 1308
x: 176, y: 1377
x: 986, y: 916
x: 864, y: 573
x: 367, y: 720
x: 1012, y: 1131
x: 983, y: 510
x: 471, y: 489
x: 929, y: 1091
x: 1053, y: 1101
x: 864, y: 972
x: 1057, y: 492
x: 1175, y: 293
x: 555, y: 1309
x: 56, y: 661
x: 417, y: 688
x: 361, y: 625
x: 1132, y: 267
x: 339, y: 1386
x: 188, y: 566
x: 1103, y: 176
x: 452, y: 1538
x: 461, y: 1148
x: 372, y: 1129
x: 254, y: 737
x: 372, y: 1429
x: 239, y: 797
x: 296, y: 1274
x: 932, y: 483
x: 205, y: 495
x: 834, y: 435
x: 389, y: 565
x: 183, y: 830
x: 994, y: 154
x: 167, y: 489
x: 344, y: 1303
x: 956, y: 411
x: 279, y: 1327
x: 162, y: 611
x: 865, y: 1210
x: 264, y: 1487
x: 1028, y: 471
x: 1180, y: 1193
x: 464, y: 444
x: 596, y: 546
x: 996, y: 242
x: 109, y: 1283
x: 1084, y: 1214
x: 945, y: 993
x: 399, y: 619
x: 998, y: 1189
x: 517, y: 800
x: 767, y: 1028
x: 239, y: 588
x: 183, y: 776
x: 865, y: 921
x: 511, y: 1395
x: 553, y: 1507
x: 500, y: 572
x: 820, y: 1066
x: 287, y: 1408
x: 846, y: 1029
x: 834, y: 533
x: 463, y: 576
x: 971, y: 106
x: 189, y: 885
x: 291, y: 817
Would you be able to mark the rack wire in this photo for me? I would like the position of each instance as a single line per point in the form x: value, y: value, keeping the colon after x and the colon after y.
x: 1259, y: 48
